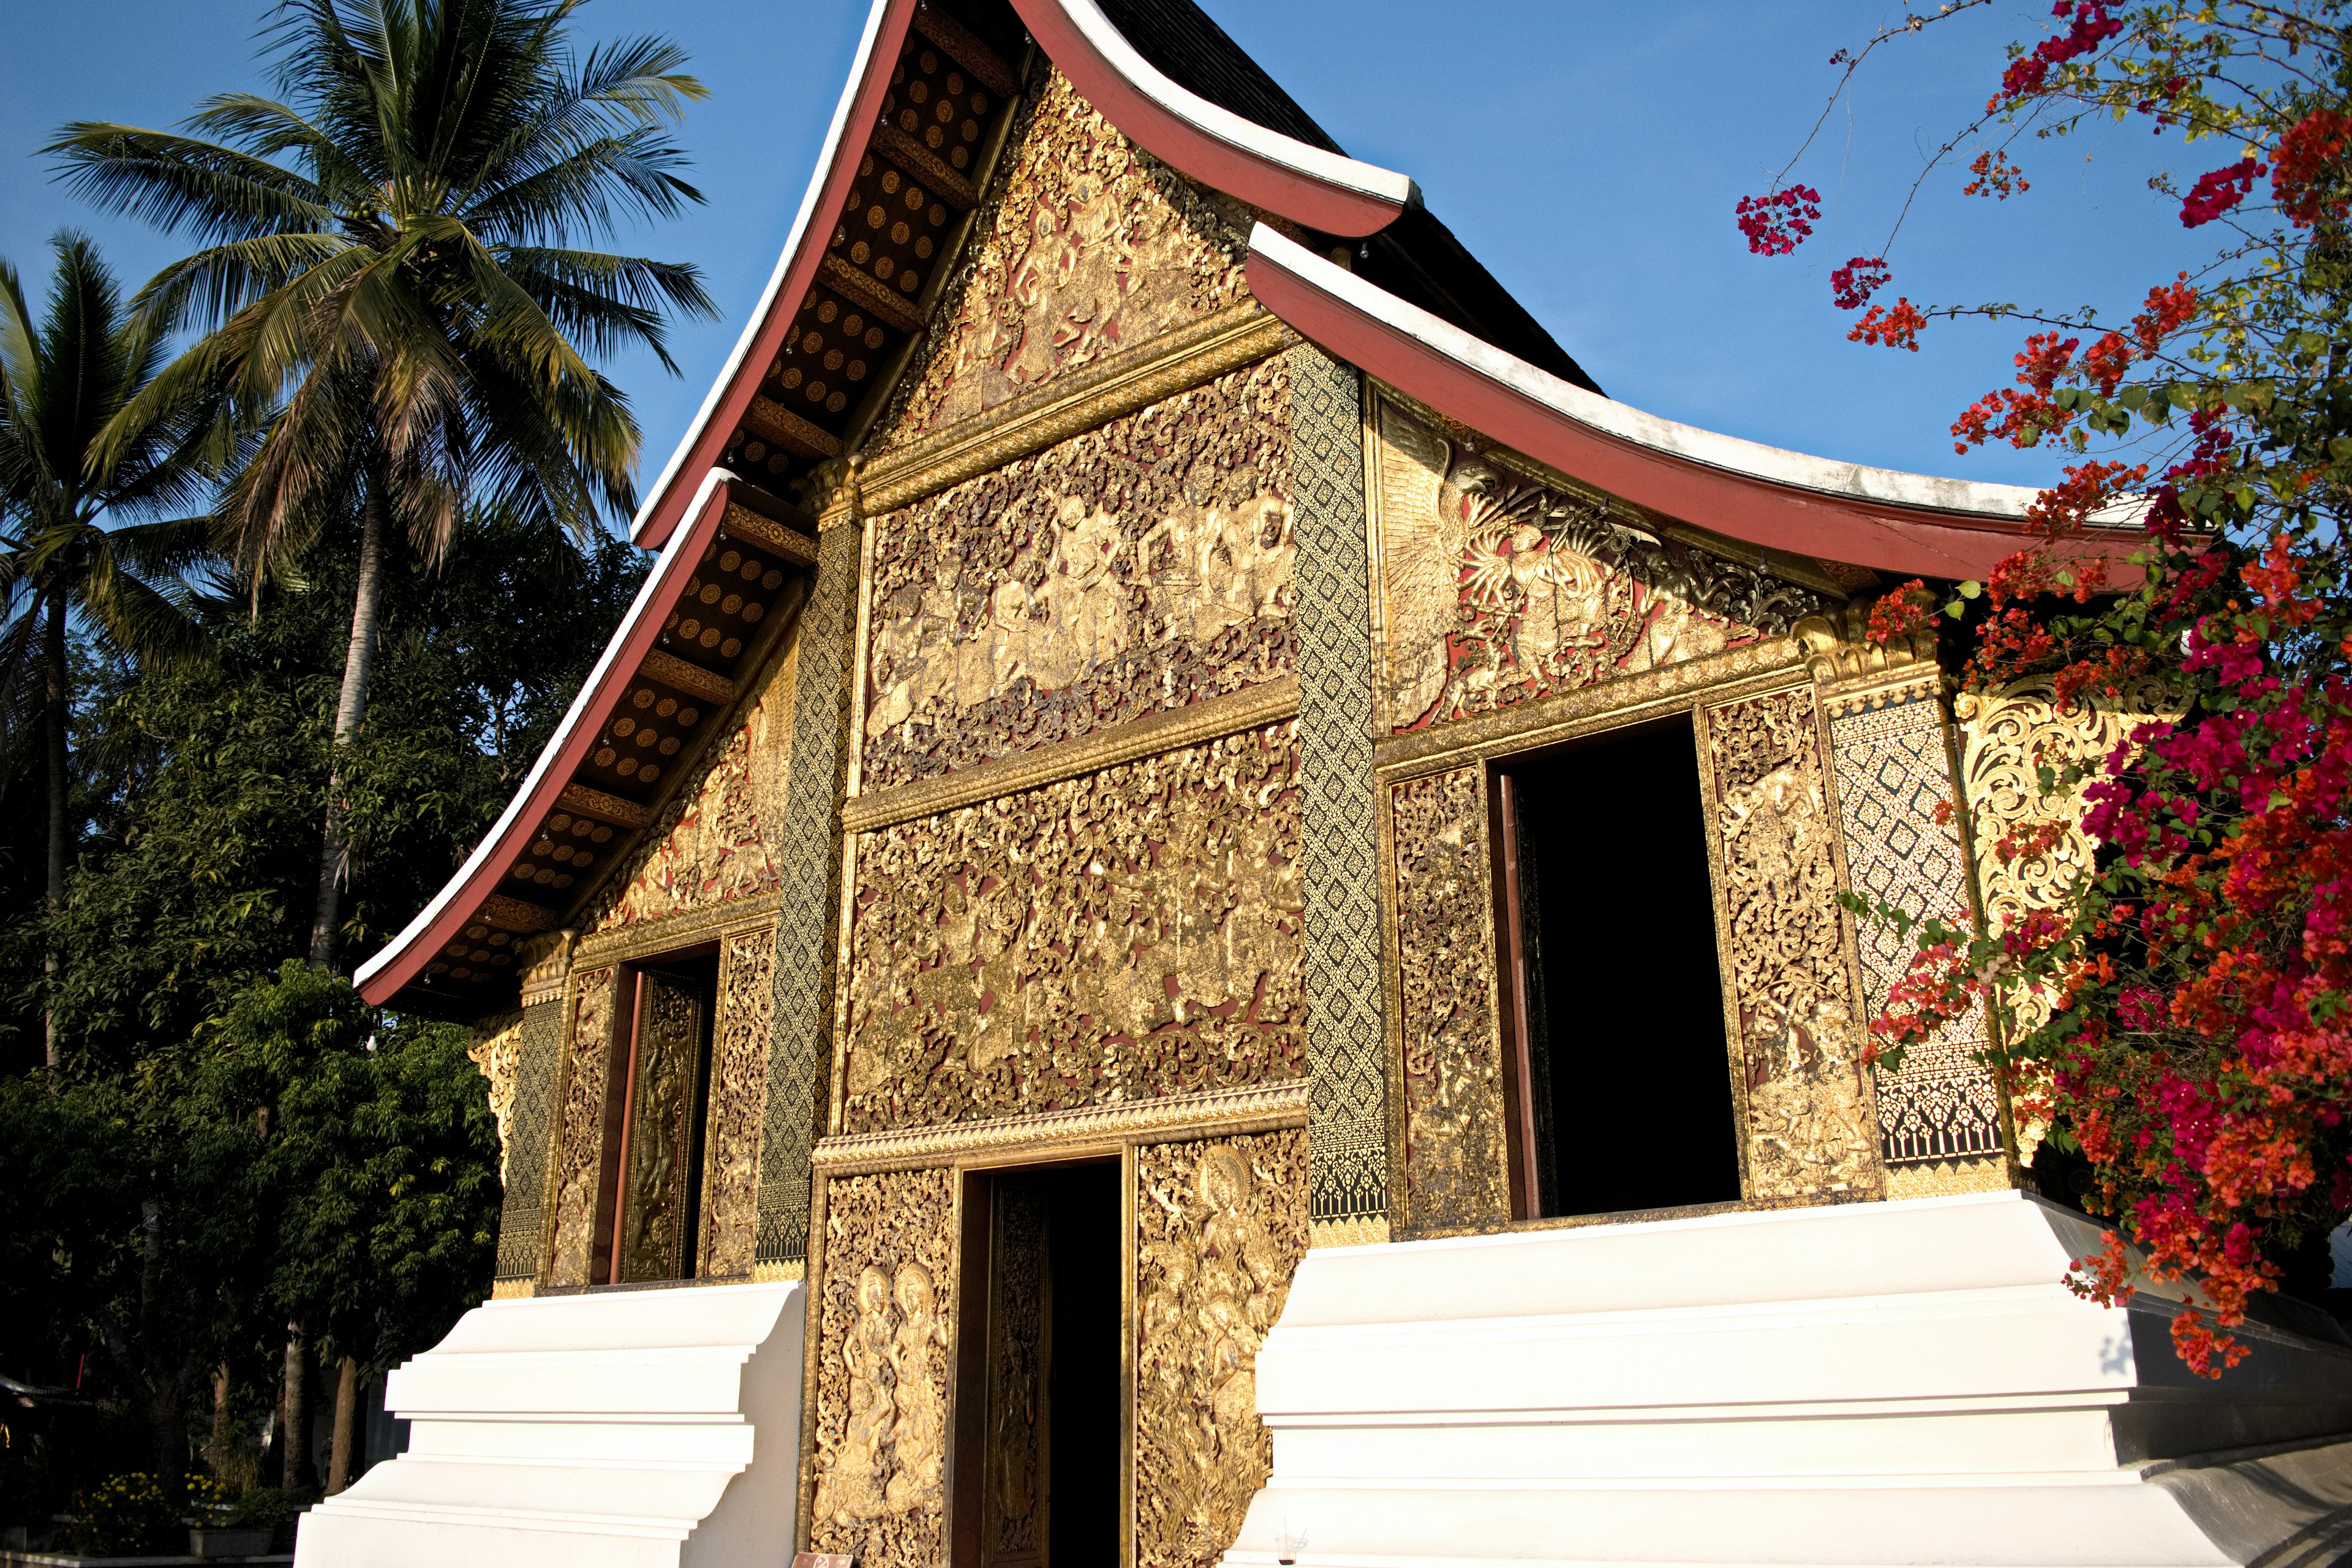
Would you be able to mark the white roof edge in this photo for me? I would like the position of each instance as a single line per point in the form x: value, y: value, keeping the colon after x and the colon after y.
x: 1731, y: 454
x: 589, y: 687
x: 793, y: 242
x: 1225, y: 125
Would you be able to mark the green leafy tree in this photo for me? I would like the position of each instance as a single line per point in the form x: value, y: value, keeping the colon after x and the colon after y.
x: 390, y: 281
x: 86, y: 439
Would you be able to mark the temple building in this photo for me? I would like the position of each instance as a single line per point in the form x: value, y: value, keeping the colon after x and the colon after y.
x: 1196, y: 918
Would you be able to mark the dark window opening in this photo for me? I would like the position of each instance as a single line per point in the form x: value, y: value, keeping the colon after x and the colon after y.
x: 1621, y: 1090
x: 1038, y: 1370
x: 657, y: 1111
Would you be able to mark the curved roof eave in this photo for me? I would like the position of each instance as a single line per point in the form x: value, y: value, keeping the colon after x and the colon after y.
x: 1907, y: 524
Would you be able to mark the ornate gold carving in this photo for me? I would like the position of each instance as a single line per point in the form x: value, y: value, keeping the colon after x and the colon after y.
x: 1170, y: 729
x: 497, y: 1043
x: 770, y: 419
x: 1116, y: 384
x: 1356, y: 1230
x: 513, y: 914
x: 580, y: 1139
x: 513, y: 1290
x: 1810, y: 1126
x: 790, y: 543
x: 1056, y: 1133
x: 713, y: 844
x: 1012, y: 1504
x: 2008, y: 736
x: 546, y: 963
x: 885, y: 1339
x: 1088, y: 244
x: 621, y: 812
x: 968, y: 51
x: 1457, y: 1150
x: 863, y: 291
x: 1856, y: 673
x: 738, y: 1098
x: 920, y: 161
x: 692, y: 679
x: 1129, y: 934
x: 1220, y: 1229
x: 1497, y: 589
x: 654, y: 1220
x: 1141, y: 566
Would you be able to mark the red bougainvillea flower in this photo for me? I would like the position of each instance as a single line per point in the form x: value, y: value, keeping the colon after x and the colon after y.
x: 1778, y: 224
x: 1896, y: 329
x: 2304, y: 154
x: 2089, y: 28
x: 1852, y: 286
x: 2218, y: 189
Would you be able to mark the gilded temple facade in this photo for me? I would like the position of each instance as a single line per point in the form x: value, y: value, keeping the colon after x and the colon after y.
x: 1174, y: 735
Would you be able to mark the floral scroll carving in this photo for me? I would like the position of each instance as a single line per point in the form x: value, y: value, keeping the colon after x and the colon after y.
x: 1091, y: 245
x: 885, y: 1337
x: 1138, y: 567
x: 1220, y: 1225
x: 1812, y: 1128
x: 1132, y: 933
x: 1496, y: 590
x: 1456, y: 1154
x: 654, y: 1224
x: 580, y: 1146
x: 497, y: 1051
x: 738, y: 1104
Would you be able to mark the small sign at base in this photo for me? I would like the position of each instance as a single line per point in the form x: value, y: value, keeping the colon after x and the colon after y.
x: 823, y: 1560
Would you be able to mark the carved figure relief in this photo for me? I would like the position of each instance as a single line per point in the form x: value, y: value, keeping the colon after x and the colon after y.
x: 656, y: 1226
x: 580, y: 1147
x: 1140, y: 566
x: 1132, y: 933
x: 738, y: 1104
x: 497, y: 1046
x: 884, y: 1342
x: 1456, y: 1152
x: 1012, y: 1525
x: 1810, y: 1127
x: 714, y: 842
x: 1496, y: 590
x: 1220, y: 1225
x: 1089, y: 245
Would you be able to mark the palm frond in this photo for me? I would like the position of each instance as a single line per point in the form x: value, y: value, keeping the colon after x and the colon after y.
x: 182, y: 183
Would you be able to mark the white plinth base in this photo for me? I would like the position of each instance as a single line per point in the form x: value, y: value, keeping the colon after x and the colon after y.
x: 631, y: 1429
x: 1878, y: 1384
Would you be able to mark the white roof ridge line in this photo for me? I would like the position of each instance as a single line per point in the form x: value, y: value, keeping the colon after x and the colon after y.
x: 1243, y: 134
x: 1691, y: 443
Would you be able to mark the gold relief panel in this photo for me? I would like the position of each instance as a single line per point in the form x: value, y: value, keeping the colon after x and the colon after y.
x: 1128, y: 934
x: 660, y: 1108
x: 1806, y: 1105
x: 712, y: 843
x: 1088, y: 245
x: 1138, y: 567
x: 497, y: 1051
x: 885, y: 1342
x: 1455, y: 1155
x: 738, y: 1104
x: 1496, y: 588
x: 580, y: 1137
x: 1220, y: 1225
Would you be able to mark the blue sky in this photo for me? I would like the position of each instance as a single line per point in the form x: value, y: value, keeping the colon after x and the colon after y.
x: 1589, y: 155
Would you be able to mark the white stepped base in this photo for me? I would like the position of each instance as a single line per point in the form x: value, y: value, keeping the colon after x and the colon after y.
x: 632, y: 1429
x: 1874, y: 1384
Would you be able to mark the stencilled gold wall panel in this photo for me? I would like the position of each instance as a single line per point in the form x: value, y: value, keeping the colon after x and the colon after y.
x: 1496, y: 590
x: 580, y: 1137
x: 524, y: 1141
x: 738, y: 1103
x: 1220, y: 1225
x: 885, y: 1341
x: 1131, y: 934
x: 654, y: 1221
x: 1137, y: 567
x: 1088, y: 245
x: 1456, y: 1152
x: 1811, y: 1130
x: 716, y: 841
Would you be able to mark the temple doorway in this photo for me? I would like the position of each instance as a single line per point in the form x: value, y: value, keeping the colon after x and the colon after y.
x: 1622, y: 1097
x: 1038, y: 1453
x: 658, y: 1121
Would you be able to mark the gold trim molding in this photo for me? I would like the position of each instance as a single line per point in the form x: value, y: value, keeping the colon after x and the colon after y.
x: 547, y: 961
x: 1118, y: 384
x: 1653, y: 693
x: 1170, y: 729
x: 1855, y: 674
x: 1167, y: 1118
x: 667, y: 934
x: 691, y: 678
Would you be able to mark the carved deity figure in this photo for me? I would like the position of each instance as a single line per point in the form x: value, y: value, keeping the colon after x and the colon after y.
x: 920, y: 1449
x: 853, y: 1489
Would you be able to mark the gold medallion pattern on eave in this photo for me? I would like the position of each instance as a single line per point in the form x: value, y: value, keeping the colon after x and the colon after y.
x: 1128, y: 934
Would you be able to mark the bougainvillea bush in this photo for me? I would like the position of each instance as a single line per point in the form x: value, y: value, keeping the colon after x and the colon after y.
x: 2196, y: 976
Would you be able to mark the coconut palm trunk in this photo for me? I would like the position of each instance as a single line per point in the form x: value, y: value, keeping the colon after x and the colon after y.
x: 350, y: 705
x: 57, y: 717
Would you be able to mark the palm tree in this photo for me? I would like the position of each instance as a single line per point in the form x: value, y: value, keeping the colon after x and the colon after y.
x: 388, y: 281
x: 73, y: 459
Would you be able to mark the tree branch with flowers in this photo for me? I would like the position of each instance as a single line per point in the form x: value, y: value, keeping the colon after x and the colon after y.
x: 2197, y: 974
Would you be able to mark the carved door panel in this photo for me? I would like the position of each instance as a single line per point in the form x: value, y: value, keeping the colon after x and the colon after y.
x: 664, y: 1082
x: 1014, y: 1522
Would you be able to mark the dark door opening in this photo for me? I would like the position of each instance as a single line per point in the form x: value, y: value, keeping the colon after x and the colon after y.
x: 657, y: 1111
x: 1038, y: 1451
x: 1623, y: 1081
